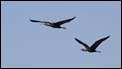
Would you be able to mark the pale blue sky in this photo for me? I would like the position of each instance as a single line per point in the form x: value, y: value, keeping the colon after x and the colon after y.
x: 27, y: 44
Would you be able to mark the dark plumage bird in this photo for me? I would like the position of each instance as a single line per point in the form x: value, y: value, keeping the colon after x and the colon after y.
x: 54, y: 24
x: 94, y: 46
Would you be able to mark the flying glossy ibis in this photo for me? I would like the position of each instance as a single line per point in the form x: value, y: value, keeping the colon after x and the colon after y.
x: 54, y: 24
x: 94, y: 46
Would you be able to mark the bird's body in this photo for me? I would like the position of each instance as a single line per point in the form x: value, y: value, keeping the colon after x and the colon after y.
x: 54, y: 24
x: 94, y: 46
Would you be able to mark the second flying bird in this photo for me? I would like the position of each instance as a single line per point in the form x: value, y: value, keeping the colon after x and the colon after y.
x: 54, y: 24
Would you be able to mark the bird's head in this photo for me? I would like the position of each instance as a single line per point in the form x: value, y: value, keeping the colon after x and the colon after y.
x: 63, y: 27
x: 83, y: 49
x: 98, y: 51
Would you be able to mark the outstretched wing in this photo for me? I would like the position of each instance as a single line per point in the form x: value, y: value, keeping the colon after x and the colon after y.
x: 64, y: 21
x: 98, y: 42
x: 84, y: 44
x: 39, y: 21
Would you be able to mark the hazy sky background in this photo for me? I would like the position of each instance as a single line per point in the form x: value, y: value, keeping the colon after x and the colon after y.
x: 27, y: 44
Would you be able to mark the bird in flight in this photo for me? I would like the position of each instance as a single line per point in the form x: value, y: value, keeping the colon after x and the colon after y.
x: 54, y: 24
x: 94, y: 46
